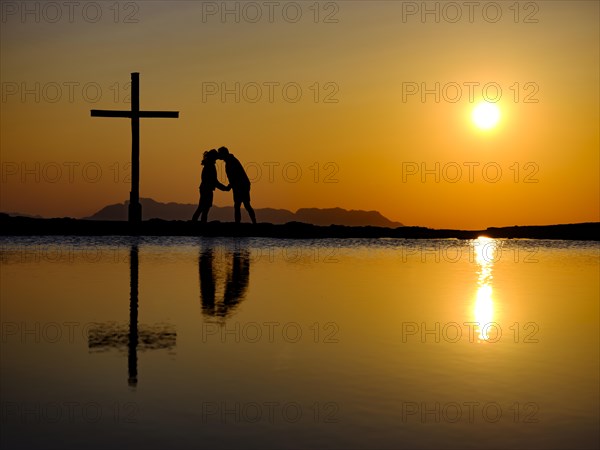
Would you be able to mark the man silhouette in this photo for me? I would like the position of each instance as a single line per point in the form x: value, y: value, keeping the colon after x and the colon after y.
x: 239, y: 182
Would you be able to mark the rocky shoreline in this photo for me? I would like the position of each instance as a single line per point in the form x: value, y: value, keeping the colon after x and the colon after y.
x: 25, y: 226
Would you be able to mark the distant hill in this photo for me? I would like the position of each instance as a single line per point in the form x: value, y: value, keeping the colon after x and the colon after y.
x: 152, y: 209
x: 30, y: 216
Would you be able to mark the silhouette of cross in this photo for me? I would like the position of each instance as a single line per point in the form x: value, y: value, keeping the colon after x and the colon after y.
x: 135, y: 208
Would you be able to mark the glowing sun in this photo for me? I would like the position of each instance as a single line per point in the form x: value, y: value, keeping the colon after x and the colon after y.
x: 486, y: 115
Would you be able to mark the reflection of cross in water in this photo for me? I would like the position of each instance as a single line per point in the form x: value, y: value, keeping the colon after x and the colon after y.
x: 134, y: 338
x: 236, y: 282
x: 133, y: 316
x: 135, y: 208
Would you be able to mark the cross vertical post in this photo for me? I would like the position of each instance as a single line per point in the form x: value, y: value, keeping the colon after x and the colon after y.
x: 135, y: 207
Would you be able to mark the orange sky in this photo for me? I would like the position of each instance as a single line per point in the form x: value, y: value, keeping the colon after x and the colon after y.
x: 347, y: 141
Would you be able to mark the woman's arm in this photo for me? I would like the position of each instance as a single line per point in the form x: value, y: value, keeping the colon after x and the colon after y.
x: 209, y: 177
x: 222, y: 187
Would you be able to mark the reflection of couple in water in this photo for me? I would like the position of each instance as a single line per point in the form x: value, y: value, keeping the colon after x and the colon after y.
x: 236, y: 281
x: 238, y: 182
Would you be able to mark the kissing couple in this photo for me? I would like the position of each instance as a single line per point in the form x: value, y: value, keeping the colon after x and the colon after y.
x: 238, y: 182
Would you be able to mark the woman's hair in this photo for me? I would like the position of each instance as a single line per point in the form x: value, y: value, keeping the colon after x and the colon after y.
x: 210, y: 156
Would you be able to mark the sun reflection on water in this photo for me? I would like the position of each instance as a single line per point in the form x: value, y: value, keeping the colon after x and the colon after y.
x: 484, y: 249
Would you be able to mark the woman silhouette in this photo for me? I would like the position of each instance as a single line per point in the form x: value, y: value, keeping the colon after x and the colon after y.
x: 207, y: 185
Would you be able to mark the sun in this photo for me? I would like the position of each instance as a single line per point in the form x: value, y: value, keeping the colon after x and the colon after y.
x: 486, y: 115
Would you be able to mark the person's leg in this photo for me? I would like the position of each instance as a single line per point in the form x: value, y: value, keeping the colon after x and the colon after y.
x: 204, y: 215
x: 238, y: 213
x: 196, y: 214
x: 205, y: 204
x: 198, y: 210
x: 248, y: 207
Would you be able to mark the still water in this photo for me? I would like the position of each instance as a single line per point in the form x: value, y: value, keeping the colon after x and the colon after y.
x: 259, y: 343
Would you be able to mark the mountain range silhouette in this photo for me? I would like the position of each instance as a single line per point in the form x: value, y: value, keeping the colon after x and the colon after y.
x: 183, y: 211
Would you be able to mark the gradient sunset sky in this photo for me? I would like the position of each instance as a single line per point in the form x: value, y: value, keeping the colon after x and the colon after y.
x: 337, y: 123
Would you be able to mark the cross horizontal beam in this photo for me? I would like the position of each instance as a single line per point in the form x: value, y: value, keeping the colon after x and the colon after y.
x: 130, y: 114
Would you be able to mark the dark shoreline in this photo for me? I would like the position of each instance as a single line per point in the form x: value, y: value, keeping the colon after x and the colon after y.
x: 24, y: 226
